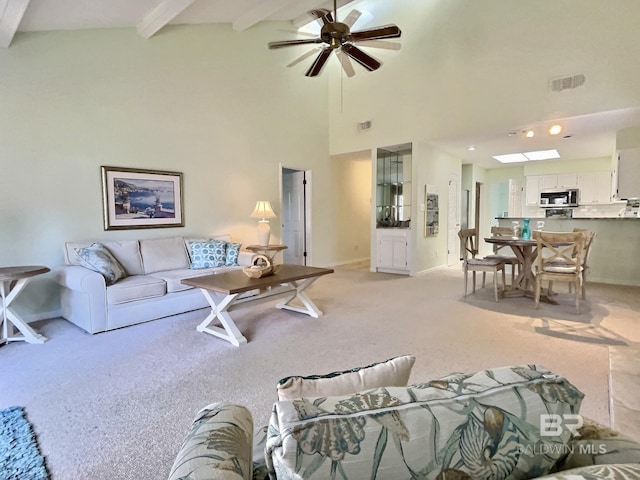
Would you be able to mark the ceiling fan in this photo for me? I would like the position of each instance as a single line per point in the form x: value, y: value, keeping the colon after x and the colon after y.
x: 337, y: 37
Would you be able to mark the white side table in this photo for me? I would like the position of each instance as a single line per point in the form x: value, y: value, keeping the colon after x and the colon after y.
x: 12, y: 282
x: 270, y: 250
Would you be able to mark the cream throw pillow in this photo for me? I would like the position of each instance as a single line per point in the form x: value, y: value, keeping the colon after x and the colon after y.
x: 391, y: 373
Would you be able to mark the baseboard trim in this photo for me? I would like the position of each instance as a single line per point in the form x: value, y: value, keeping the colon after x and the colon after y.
x: 430, y: 270
x: 36, y: 317
x: 350, y: 262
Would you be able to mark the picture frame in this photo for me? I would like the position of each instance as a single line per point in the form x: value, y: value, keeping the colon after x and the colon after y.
x: 432, y: 211
x: 136, y: 198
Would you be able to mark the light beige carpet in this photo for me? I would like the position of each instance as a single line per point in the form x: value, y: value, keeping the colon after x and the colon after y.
x: 117, y: 405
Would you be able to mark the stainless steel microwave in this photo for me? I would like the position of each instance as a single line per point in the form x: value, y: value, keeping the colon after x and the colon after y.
x: 559, y: 198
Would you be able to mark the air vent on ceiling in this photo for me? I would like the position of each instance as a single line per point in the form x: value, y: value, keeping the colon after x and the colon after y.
x: 564, y: 83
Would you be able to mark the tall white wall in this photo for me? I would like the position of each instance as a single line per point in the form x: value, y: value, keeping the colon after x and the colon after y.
x: 206, y: 101
x: 473, y: 67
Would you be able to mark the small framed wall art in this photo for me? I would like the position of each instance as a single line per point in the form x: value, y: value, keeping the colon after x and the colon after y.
x: 136, y: 198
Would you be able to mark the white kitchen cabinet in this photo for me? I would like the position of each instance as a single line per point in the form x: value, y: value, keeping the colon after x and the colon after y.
x: 393, y: 250
x: 532, y: 190
x: 559, y: 181
x: 567, y: 180
x: 628, y: 173
x: 595, y: 187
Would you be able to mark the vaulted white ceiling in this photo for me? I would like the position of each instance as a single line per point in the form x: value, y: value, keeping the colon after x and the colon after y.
x: 588, y: 135
x: 148, y: 16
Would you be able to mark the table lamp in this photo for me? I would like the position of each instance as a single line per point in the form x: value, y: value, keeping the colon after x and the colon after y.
x: 263, y: 210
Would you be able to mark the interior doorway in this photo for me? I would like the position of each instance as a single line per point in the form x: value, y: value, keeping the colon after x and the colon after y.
x: 453, y: 220
x: 296, y: 215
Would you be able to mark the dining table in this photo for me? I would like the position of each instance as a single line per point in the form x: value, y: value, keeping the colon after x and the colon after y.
x: 526, y: 251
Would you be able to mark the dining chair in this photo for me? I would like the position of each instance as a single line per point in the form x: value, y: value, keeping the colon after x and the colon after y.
x: 506, y: 259
x: 468, y: 243
x: 560, y: 258
x: 589, y: 237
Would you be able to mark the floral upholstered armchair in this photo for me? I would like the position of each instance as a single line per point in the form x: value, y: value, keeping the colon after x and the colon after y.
x: 483, y: 425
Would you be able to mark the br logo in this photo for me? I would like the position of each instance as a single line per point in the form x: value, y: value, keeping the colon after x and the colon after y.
x: 552, y: 424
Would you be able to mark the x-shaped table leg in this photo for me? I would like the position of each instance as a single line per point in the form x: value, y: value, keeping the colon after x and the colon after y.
x: 311, y: 309
x: 9, y: 291
x: 219, y: 306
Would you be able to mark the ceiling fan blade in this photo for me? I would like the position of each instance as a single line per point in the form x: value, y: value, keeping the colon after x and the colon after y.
x: 352, y: 18
x: 292, y: 43
x: 346, y: 63
x: 380, y: 44
x: 376, y: 33
x: 319, y: 63
x: 364, y: 59
x: 321, y: 14
x: 303, y: 57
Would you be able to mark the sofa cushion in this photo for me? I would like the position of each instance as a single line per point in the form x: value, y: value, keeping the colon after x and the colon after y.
x: 163, y: 254
x: 480, y: 425
x: 207, y: 254
x: 137, y: 287
x: 127, y: 252
x: 173, y: 278
x: 393, y: 372
x: 98, y: 258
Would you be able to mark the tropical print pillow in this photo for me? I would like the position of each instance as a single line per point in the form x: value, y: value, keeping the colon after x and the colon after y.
x: 484, y: 425
x: 98, y: 258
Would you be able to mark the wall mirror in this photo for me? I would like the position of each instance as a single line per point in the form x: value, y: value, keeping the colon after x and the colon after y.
x: 393, y: 187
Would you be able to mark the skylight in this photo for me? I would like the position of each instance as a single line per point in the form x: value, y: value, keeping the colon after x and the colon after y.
x: 527, y: 156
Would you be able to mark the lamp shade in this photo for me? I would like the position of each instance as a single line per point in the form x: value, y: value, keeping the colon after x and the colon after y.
x: 263, y: 210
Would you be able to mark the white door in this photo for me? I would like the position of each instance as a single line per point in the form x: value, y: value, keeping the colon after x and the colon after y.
x: 453, y: 221
x: 515, y: 198
x: 293, y: 216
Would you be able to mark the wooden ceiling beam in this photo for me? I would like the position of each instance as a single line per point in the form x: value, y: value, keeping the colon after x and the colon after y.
x: 261, y: 12
x: 11, y: 13
x: 160, y: 16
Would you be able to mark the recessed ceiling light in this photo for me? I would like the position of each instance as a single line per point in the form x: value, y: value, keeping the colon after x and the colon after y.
x: 525, y: 157
x: 511, y: 158
x: 555, y: 129
x: 471, y: 148
x: 542, y: 155
x: 529, y: 133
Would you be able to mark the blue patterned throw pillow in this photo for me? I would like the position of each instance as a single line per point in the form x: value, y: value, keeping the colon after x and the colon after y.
x: 207, y: 254
x: 233, y: 250
x: 98, y: 258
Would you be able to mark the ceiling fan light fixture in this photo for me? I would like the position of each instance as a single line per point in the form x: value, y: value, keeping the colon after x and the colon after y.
x: 338, y: 36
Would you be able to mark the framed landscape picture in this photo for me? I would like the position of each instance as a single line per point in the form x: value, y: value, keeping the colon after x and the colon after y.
x: 135, y: 198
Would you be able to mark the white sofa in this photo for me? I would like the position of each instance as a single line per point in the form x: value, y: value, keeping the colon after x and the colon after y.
x: 152, y: 287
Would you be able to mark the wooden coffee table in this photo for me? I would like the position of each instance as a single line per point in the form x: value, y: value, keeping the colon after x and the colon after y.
x: 233, y: 290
